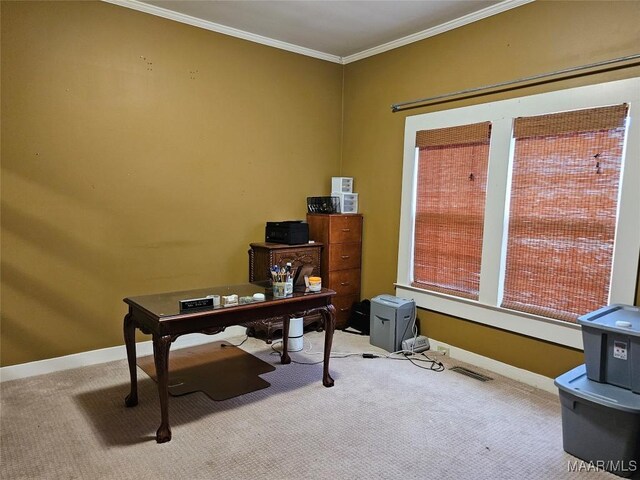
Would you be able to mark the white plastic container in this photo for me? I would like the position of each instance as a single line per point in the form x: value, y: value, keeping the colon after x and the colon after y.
x: 315, y: 284
x: 295, y: 340
x: 342, y: 184
x: 348, y: 202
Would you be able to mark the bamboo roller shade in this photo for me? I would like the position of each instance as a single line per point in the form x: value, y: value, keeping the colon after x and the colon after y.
x: 588, y: 120
x: 562, y: 217
x: 452, y: 175
x: 566, y: 172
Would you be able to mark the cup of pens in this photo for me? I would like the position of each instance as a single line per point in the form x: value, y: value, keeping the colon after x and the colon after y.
x: 279, y: 289
x: 282, y: 281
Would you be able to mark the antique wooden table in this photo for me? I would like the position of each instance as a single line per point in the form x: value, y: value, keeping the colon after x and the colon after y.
x: 160, y: 316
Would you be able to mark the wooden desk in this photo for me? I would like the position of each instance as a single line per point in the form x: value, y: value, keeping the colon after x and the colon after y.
x: 159, y: 315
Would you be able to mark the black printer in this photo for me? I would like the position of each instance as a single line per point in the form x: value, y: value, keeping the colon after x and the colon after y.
x: 291, y: 232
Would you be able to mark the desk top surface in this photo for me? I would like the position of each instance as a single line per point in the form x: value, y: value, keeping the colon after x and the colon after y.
x: 167, y: 304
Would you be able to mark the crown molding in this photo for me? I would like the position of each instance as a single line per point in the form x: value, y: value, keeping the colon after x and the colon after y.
x: 431, y: 32
x: 215, y: 27
x: 252, y: 37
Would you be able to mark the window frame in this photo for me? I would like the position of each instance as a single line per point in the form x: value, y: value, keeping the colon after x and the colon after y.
x: 486, y: 309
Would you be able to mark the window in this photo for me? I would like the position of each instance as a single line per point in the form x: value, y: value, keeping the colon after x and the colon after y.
x: 551, y: 229
x: 452, y: 180
x: 563, y: 208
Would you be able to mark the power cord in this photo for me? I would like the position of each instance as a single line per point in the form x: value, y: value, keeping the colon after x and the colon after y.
x: 414, y: 330
x: 414, y: 327
x: 434, y: 365
x: 333, y: 355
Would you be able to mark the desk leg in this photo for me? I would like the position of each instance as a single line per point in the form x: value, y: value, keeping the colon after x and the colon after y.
x: 130, y: 341
x: 329, y: 317
x: 285, y: 358
x: 161, y: 358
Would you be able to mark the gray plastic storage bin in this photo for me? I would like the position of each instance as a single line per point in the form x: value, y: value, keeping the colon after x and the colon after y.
x: 600, y: 423
x: 611, y: 337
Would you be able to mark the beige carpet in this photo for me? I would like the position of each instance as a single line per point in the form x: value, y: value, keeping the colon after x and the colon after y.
x: 384, y: 419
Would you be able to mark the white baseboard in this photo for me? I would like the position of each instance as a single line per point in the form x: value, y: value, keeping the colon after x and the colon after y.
x: 504, y: 369
x: 40, y: 367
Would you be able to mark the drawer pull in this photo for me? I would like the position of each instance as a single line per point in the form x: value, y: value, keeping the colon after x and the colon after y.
x: 344, y: 257
x: 345, y: 309
x: 346, y: 229
x: 344, y: 284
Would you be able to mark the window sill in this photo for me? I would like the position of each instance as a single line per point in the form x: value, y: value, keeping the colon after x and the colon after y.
x: 547, y: 329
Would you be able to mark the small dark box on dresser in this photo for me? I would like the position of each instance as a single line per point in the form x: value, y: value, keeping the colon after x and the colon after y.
x: 292, y: 232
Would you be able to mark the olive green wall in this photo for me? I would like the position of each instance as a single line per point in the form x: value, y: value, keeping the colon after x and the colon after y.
x: 139, y: 155
x: 532, y: 39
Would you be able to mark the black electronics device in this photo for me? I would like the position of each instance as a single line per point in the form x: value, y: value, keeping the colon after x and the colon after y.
x: 195, y: 304
x: 292, y: 232
x: 359, y: 318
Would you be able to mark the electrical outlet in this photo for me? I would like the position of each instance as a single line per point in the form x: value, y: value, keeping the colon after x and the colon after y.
x: 443, y: 350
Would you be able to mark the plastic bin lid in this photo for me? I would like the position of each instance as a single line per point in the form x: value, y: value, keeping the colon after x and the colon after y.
x: 576, y: 382
x: 623, y: 319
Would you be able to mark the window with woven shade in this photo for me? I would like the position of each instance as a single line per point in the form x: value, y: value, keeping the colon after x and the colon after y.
x: 563, y: 211
x: 538, y: 228
x: 450, y: 203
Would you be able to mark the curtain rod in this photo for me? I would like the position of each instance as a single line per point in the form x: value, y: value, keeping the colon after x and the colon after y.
x: 478, y: 91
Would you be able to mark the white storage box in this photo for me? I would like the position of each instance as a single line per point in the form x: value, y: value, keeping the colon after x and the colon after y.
x: 348, y: 202
x: 342, y: 184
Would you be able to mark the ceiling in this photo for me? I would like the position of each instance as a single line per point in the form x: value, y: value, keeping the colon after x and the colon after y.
x: 334, y: 30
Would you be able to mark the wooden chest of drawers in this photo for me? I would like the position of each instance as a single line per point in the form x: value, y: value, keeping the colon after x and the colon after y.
x: 341, y: 235
x: 262, y: 256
